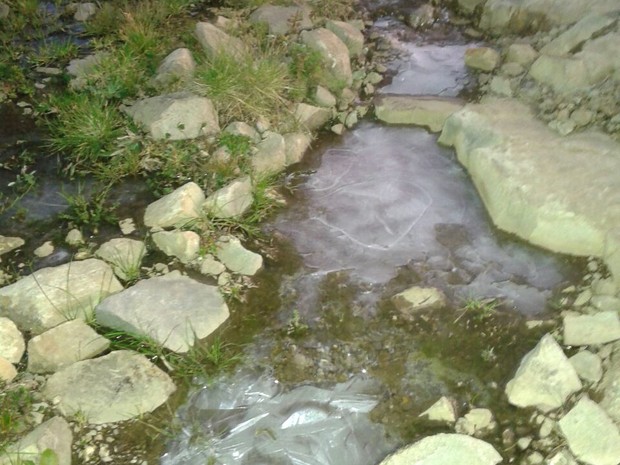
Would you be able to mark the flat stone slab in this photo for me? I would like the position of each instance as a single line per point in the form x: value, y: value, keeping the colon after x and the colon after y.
x: 599, y: 328
x: 591, y: 435
x: 445, y: 449
x: 125, y: 255
x: 118, y: 386
x: 537, y: 184
x: 51, y: 296
x: 430, y: 112
x: 418, y: 298
x: 7, y: 244
x: 237, y: 258
x: 173, y: 310
x: 176, y: 209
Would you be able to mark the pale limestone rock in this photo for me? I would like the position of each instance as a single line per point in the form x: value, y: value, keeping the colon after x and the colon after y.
x: 12, y: 343
x: 423, y: 16
x: 335, y: 56
x: 210, y: 266
x: 54, y: 434
x: 351, y: 119
x: 63, y: 345
x: 610, y: 387
x: 590, y: 434
x: 501, y: 86
x: 482, y: 58
x: 173, y: 310
x: 179, y: 65
x: 176, y: 116
x: 418, y: 298
x: 118, y: 386
x: 240, y: 128
x: 44, y: 250
x: 605, y: 303
x: 84, y: 11
x: 338, y: 129
x: 588, y: 366
x: 324, y: 98
x: 611, y: 255
x: 215, y: 42
x: 445, y: 449
x: 350, y: 35
x: 270, y: 156
x: 231, y: 201
x: 430, y: 112
x: 7, y: 244
x: 600, y: 328
x: 311, y: 117
x: 183, y: 245
x: 577, y: 34
x: 282, y: 20
x: 8, y: 372
x: 175, y: 209
x: 125, y: 256
x: 296, y: 144
x: 236, y: 257
x: 74, y: 237
x: 51, y: 296
x: 545, y: 378
x: 443, y: 411
x: 478, y: 422
x: 127, y: 226
x: 522, y: 54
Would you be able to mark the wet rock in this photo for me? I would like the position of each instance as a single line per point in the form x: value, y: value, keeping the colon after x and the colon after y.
x: 236, y: 257
x: 183, y: 245
x: 282, y: 20
x: 422, y: 17
x: 418, y: 298
x: 605, y: 303
x: 576, y: 35
x: 176, y: 209
x: 231, y: 201
x: 443, y: 449
x: 7, y: 244
x: 311, y: 117
x: 545, y: 378
x: 12, y: 343
x: 173, y: 310
x: 214, y: 41
x: 611, y: 255
x: 324, y: 98
x: 502, y: 146
x: 469, y: 6
x: 430, y: 112
x: 610, y: 387
x: 210, y: 266
x: 239, y: 128
x: 591, y: 435
x: 74, y: 237
x: 349, y: 34
x: 115, y: 387
x: 351, y: 119
x: 63, y: 345
x: 51, y: 296
x: 522, y: 54
x: 338, y: 129
x: 296, y: 144
x: 478, y: 422
x: 588, y: 366
x: 564, y: 457
x: 583, y: 330
x: 583, y: 298
x: 443, y: 411
x: 512, y: 69
x: 179, y: 65
x: 176, y: 116
x: 334, y: 54
x: 482, y: 58
x: 270, y: 156
x: 125, y: 256
x: 55, y: 434
x: 84, y: 11
x: 501, y: 86
x: 584, y: 72
x: 8, y: 372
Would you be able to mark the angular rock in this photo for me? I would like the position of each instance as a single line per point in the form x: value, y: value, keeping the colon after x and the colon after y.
x: 477, y: 422
x: 125, y: 256
x: 231, y: 201
x: 282, y: 20
x: 501, y: 86
x: 176, y: 209
x: 545, y: 378
x: 63, y: 345
x: 445, y: 449
x: 482, y: 58
x: 173, y: 310
x: 611, y: 255
x: 8, y: 372
x: 311, y: 117
x: 51, y: 296
x: 270, y: 156
x: 54, y: 434
x: 74, y: 237
x: 335, y: 56
x: 443, y: 411
x: 118, y: 386
x: 350, y: 35
x: 84, y: 11
x: 418, y: 298
x: 8, y: 244
x: 236, y: 257
x: 44, y: 250
x: 430, y: 112
x: 324, y: 98
x: 587, y: 365
x: 577, y: 34
x: 179, y: 65
x: 513, y: 160
x: 240, y: 128
x: 81, y: 68
x: 216, y: 42
x: 210, y: 266
x: 583, y: 330
x: 522, y: 54
x: 176, y: 116
x: 590, y: 434
x: 296, y: 144
x: 469, y: 6
x: 610, y: 388
x: 423, y: 16
x: 12, y: 343
x: 183, y: 245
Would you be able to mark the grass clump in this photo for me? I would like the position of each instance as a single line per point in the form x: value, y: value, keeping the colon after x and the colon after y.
x: 89, y: 211
x: 55, y: 52
x: 15, y: 408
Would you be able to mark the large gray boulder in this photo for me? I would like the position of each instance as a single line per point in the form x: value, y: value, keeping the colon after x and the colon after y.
x: 176, y: 116
x: 590, y: 434
x: 51, y: 296
x: 216, y: 42
x: 270, y: 156
x: 296, y: 144
x: 445, y: 449
x: 176, y: 209
x: 281, y: 20
x: 12, y: 343
x: 350, y: 35
x: 118, y: 386
x: 54, y: 434
x: 175, y: 311
x: 125, y: 255
x: 231, y: 201
x: 545, y: 378
x: 583, y: 330
x: 64, y: 345
x: 536, y: 184
x: 430, y: 112
x: 335, y: 56
x: 311, y: 117
x: 179, y: 65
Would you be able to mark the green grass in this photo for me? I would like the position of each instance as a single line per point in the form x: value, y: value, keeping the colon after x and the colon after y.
x: 15, y: 408
x: 88, y: 211
x: 479, y: 309
x: 55, y: 53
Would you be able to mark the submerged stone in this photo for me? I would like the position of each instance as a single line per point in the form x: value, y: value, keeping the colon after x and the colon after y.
x: 418, y: 298
x: 600, y: 328
x: 430, y: 112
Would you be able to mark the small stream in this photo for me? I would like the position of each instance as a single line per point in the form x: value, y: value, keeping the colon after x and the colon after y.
x: 333, y: 373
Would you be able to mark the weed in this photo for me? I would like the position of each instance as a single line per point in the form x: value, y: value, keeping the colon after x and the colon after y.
x: 55, y: 52
x: 482, y: 309
x: 15, y: 408
x: 88, y: 211
x: 296, y: 327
